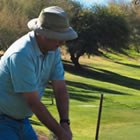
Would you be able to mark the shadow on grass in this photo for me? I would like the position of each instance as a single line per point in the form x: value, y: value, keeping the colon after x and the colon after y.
x: 81, y: 91
x: 35, y: 123
x: 129, y: 65
x: 87, y: 88
x: 102, y: 75
x: 83, y: 98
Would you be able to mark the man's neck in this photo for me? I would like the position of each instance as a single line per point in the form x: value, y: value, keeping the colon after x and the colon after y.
x: 40, y: 44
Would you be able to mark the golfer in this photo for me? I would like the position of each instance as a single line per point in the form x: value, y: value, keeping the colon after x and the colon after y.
x: 25, y: 69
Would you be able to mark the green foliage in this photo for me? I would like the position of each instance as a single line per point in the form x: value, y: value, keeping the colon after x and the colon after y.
x: 134, y: 20
x: 113, y: 28
x: 32, y: 8
x: 99, y: 27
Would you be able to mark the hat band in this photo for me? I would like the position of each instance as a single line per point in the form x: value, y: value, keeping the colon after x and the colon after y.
x: 56, y: 30
x: 53, y: 29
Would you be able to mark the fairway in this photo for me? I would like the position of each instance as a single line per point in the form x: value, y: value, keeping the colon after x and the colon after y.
x: 118, y: 79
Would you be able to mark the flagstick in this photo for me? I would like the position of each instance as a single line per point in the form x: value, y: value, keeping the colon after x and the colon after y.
x: 99, y: 117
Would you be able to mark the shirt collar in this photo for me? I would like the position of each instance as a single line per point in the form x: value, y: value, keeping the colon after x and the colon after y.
x: 34, y: 43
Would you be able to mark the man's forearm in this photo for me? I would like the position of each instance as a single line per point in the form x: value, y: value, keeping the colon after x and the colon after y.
x: 63, y: 105
x: 46, y: 118
x: 62, y: 99
x: 42, y: 113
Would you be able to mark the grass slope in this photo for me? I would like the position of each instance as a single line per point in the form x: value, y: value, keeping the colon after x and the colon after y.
x: 118, y: 79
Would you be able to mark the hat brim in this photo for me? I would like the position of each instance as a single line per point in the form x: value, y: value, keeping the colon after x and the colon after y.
x: 70, y: 34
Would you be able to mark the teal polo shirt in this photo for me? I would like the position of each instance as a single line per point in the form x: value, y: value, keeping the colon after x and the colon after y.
x: 23, y: 68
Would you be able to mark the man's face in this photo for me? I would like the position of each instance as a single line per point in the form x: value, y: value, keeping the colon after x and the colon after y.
x: 52, y: 44
x: 46, y: 45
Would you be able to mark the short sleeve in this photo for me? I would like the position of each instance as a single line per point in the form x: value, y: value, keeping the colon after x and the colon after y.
x: 58, y: 73
x: 22, y: 71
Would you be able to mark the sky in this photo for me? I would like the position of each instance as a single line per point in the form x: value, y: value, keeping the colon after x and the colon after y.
x: 88, y: 3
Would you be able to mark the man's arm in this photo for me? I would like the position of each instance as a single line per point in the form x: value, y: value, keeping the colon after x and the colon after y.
x: 62, y: 98
x: 44, y: 116
x: 62, y: 101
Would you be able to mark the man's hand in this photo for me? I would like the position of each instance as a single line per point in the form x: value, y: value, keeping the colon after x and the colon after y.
x: 64, y: 135
x: 67, y: 130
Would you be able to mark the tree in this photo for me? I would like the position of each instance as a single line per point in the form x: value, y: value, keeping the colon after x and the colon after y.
x: 98, y: 28
x: 83, y: 24
x: 134, y: 20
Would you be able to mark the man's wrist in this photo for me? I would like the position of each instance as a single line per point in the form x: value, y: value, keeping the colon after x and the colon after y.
x: 66, y: 121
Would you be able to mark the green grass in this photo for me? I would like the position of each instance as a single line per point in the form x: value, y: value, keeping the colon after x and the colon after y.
x: 118, y: 79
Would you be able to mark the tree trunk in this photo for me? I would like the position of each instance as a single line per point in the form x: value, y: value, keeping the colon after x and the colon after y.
x: 75, y: 60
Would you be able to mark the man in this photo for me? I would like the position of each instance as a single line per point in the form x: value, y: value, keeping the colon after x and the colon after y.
x: 25, y: 70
